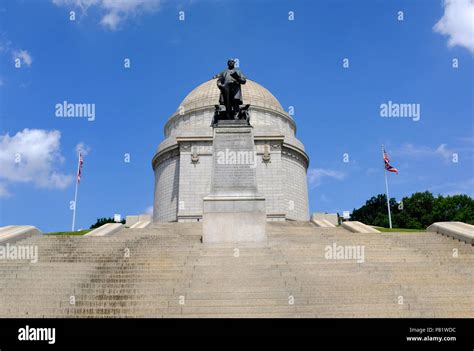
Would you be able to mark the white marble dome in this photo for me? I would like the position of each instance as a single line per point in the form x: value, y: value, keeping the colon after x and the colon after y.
x: 207, y: 94
x: 194, y: 114
x: 183, y: 160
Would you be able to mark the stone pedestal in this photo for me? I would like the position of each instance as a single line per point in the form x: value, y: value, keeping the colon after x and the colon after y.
x: 234, y: 211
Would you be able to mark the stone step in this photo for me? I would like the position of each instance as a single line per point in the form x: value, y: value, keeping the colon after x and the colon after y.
x: 168, y: 261
x: 298, y: 304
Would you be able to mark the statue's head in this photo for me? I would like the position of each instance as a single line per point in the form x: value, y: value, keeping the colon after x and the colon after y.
x: 231, y: 63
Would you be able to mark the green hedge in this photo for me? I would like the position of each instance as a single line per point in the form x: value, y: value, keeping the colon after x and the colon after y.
x: 417, y: 211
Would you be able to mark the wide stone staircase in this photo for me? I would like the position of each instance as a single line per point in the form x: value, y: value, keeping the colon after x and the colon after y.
x: 165, y: 271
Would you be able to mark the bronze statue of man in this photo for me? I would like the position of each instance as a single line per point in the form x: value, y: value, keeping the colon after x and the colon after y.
x: 229, y: 82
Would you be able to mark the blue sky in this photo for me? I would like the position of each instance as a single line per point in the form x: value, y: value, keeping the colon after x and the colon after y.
x: 337, y: 109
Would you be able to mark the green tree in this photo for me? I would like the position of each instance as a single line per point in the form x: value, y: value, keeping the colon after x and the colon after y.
x: 374, y: 212
x: 454, y: 208
x: 417, y: 211
x: 104, y: 220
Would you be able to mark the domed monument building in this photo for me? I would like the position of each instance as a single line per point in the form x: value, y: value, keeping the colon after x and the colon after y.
x: 183, y: 163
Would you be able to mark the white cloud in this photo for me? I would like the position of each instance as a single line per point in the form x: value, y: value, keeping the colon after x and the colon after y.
x: 316, y: 175
x: 82, y: 148
x: 23, y: 55
x: 458, y: 23
x: 444, y: 152
x: 454, y: 188
x: 32, y: 156
x: 114, y: 12
x: 111, y: 20
x: 5, y: 44
x: 4, y: 191
x: 415, y: 151
x: 7, y: 48
x: 467, y: 140
x: 149, y: 210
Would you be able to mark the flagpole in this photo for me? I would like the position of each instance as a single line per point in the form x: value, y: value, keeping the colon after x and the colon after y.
x: 386, y: 190
x: 75, y: 193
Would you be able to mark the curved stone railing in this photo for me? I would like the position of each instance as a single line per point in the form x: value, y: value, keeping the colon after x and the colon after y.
x: 457, y: 230
x: 12, y: 233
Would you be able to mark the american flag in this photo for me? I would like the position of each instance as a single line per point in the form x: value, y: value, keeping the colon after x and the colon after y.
x: 79, y: 169
x: 386, y: 160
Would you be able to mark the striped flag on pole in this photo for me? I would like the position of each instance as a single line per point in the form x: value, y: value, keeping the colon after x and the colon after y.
x: 79, y: 169
x: 78, y: 180
x: 388, y: 168
x: 386, y: 160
